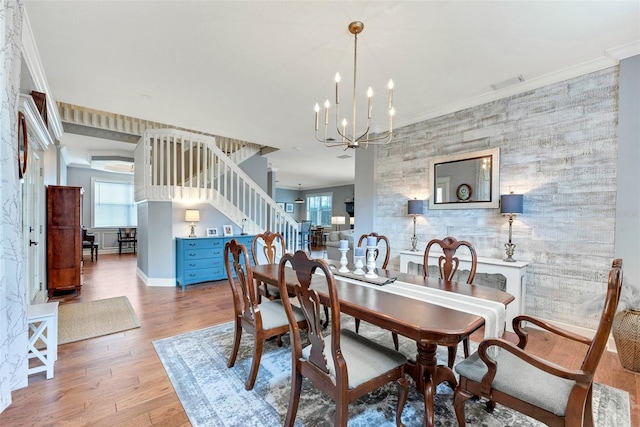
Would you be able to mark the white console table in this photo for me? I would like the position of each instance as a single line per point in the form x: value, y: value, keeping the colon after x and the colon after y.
x: 43, y: 326
x: 514, y: 273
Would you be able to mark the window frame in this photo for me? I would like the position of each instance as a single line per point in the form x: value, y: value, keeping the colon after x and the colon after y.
x: 314, y: 221
x: 95, y: 181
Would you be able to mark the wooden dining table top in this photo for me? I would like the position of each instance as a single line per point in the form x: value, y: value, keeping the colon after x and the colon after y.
x: 412, y: 318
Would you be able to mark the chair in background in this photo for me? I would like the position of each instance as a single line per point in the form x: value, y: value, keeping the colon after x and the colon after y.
x: 448, y: 266
x: 127, y: 236
x: 262, y: 320
x: 89, y: 242
x: 344, y: 365
x: 317, y: 236
x: 387, y: 250
x: 305, y: 235
x: 529, y: 384
x: 268, y: 248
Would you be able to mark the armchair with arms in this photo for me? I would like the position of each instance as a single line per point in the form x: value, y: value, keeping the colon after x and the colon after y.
x: 506, y: 373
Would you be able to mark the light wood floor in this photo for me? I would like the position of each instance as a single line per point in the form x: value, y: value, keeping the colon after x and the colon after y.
x: 118, y: 380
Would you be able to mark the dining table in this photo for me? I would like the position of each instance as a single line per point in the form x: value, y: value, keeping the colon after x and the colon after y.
x: 426, y: 323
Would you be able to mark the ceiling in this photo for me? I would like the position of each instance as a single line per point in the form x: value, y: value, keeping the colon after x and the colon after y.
x: 253, y: 70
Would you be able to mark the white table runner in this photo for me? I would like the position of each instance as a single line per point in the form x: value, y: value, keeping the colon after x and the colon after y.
x: 493, y: 312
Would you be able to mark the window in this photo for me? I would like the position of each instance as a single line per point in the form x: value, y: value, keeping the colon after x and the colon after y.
x: 319, y: 208
x: 113, y: 204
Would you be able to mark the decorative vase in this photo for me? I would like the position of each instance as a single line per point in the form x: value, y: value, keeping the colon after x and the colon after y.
x: 626, y: 333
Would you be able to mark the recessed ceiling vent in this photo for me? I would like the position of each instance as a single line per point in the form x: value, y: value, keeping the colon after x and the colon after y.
x: 507, y: 83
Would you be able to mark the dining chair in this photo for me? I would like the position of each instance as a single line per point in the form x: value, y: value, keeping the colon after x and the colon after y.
x: 89, y: 242
x: 448, y: 264
x: 548, y: 392
x: 262, y: 320
x: 342, y: 364
x: 127, y: 236
x: 387, y: 250
x: 305, y: 234
x: 267, y: 248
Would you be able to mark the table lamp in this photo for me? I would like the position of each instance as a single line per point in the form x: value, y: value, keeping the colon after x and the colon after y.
x: 511, y: 204
x: 415, y: 207
x: 338, y: 221
x: 192, y: 216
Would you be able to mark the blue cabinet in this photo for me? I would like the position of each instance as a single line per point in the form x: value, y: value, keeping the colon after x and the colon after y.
x: 201, y: 259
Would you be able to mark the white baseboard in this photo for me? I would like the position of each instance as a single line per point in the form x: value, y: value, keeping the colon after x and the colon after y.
x: 159, y: 282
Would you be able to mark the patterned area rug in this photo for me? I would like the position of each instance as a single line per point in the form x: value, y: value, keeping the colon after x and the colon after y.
x: 214, y: 395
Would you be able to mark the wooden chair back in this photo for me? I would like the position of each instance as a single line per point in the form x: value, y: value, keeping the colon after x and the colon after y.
x: 309, y: 301
x: 448, y: 263
x: 599, y: 342
x: 245, y: 294
x: 270, y: 245
x: 267, y: 248
x: 379, y: 238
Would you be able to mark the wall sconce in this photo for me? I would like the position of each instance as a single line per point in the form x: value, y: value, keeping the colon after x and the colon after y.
x: 511, y: 204
x: 352, y: 220
x: 337, y: 221
x: 415, y: 207
x: 192, y: 216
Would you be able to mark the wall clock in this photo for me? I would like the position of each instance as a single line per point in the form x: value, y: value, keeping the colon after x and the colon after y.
x: 23, y: 145
x: 463, y: 192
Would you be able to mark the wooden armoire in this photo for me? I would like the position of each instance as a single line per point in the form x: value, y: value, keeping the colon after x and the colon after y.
x: 64, y: 244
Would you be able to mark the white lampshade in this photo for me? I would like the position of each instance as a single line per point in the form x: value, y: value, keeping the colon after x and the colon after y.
x: 192, y: 215
x: 352, y: 220
x: 337, y: 220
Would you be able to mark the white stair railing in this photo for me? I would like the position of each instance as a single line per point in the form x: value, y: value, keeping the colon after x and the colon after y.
x: 178, y: 166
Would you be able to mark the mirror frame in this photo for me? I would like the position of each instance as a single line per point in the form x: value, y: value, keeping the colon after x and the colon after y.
x: 494, y: 203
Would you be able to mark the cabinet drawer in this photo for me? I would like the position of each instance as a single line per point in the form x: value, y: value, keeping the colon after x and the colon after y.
x: 203, y: 253
x: 194, y: 264
x: 203, y: 275
x: 203, y: 243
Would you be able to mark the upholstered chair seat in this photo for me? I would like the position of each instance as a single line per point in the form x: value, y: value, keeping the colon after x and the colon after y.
x: 273, y: 315
x: 541, y: 388
x: 366, y: 359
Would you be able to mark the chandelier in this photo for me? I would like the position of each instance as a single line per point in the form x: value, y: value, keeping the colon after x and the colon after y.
x: 355, y: 138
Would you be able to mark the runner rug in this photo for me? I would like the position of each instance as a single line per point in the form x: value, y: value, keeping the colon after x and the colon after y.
x: 84, y: 320
x: 214, y: 395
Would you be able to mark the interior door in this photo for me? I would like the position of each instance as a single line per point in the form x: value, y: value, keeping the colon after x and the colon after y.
x: 33, y: 219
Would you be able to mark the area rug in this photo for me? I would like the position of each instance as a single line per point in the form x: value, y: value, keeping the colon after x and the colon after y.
x: 84, y: 320
x: 214, y: 395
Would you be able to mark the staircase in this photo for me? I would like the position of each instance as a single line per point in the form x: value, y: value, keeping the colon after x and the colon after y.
x: 174, y: 165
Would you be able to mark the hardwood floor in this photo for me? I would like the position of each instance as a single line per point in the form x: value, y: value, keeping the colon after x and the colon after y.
x: 118, y: 380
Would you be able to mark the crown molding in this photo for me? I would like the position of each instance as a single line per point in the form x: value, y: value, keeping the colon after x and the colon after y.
x: 612, y: 58
x: 619, y: 53
x: 32, y: 60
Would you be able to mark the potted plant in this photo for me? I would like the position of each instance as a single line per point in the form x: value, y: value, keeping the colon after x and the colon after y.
x: 626, y: 324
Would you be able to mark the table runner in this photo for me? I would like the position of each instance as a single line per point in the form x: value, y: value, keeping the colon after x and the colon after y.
x: 494, y: 313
